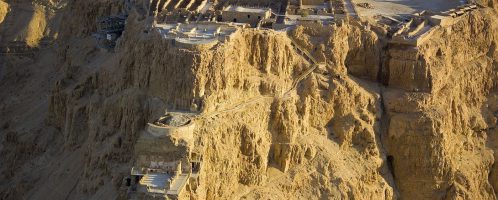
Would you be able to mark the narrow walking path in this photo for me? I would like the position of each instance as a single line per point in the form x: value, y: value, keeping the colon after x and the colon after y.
x: 351, y: 11
x: 307, y: 56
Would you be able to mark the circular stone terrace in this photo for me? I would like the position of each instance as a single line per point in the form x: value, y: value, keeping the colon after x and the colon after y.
x: 197, y: 33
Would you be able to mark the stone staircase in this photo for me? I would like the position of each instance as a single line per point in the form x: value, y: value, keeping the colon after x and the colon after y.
x: 155, y: 182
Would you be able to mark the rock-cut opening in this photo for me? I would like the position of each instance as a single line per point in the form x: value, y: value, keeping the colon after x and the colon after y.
x: 390, y: 165
x: 439, y: 53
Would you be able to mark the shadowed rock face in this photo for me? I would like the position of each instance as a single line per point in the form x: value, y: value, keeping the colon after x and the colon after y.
x: 488, y: 3
x: 378, y: 121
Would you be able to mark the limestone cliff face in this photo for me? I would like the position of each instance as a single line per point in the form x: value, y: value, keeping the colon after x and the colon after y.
x: 4, y: 9
x: 439, y: 139
x: 29, y: 23
x: 249, y: 128
x: 347, y: 46
x: 375, y: 122
x: 84, y: 15
x: 149, y: 74
x: 489, y: 3
x: 437, y: 103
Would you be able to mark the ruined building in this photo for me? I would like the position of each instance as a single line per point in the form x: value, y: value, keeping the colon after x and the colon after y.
x: 248, y: 99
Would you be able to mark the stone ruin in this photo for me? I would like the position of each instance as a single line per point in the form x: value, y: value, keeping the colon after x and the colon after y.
x: 418, y: 29
x: 109, y: 29
x: 164, y: 165
x: 201, y: 31
x: 173, y: 120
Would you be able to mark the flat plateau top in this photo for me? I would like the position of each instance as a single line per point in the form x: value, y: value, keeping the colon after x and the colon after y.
x: 404, y: 7
x: 245, y: 9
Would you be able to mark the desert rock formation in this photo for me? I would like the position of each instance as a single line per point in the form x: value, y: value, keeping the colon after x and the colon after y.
x: 376, y: 121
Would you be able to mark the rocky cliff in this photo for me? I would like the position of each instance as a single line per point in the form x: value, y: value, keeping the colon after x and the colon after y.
x: 375, y: 121
x: 445, y: 131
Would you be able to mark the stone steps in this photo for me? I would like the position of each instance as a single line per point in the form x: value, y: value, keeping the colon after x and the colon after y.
x: 155, y: 180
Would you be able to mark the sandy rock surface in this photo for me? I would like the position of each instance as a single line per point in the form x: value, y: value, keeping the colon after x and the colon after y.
x: 375, y: 121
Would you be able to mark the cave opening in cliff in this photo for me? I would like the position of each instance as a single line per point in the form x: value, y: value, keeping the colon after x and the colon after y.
x: 128, y: 181
x: 137, y: 179
x: 120, y: 142
x: 196, y: 166
x: 390, y: 165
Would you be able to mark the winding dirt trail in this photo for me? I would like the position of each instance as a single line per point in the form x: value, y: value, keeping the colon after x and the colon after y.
x: 307, y: 56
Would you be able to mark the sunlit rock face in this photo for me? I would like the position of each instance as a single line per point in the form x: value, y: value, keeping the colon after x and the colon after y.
x: 371, y: 119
